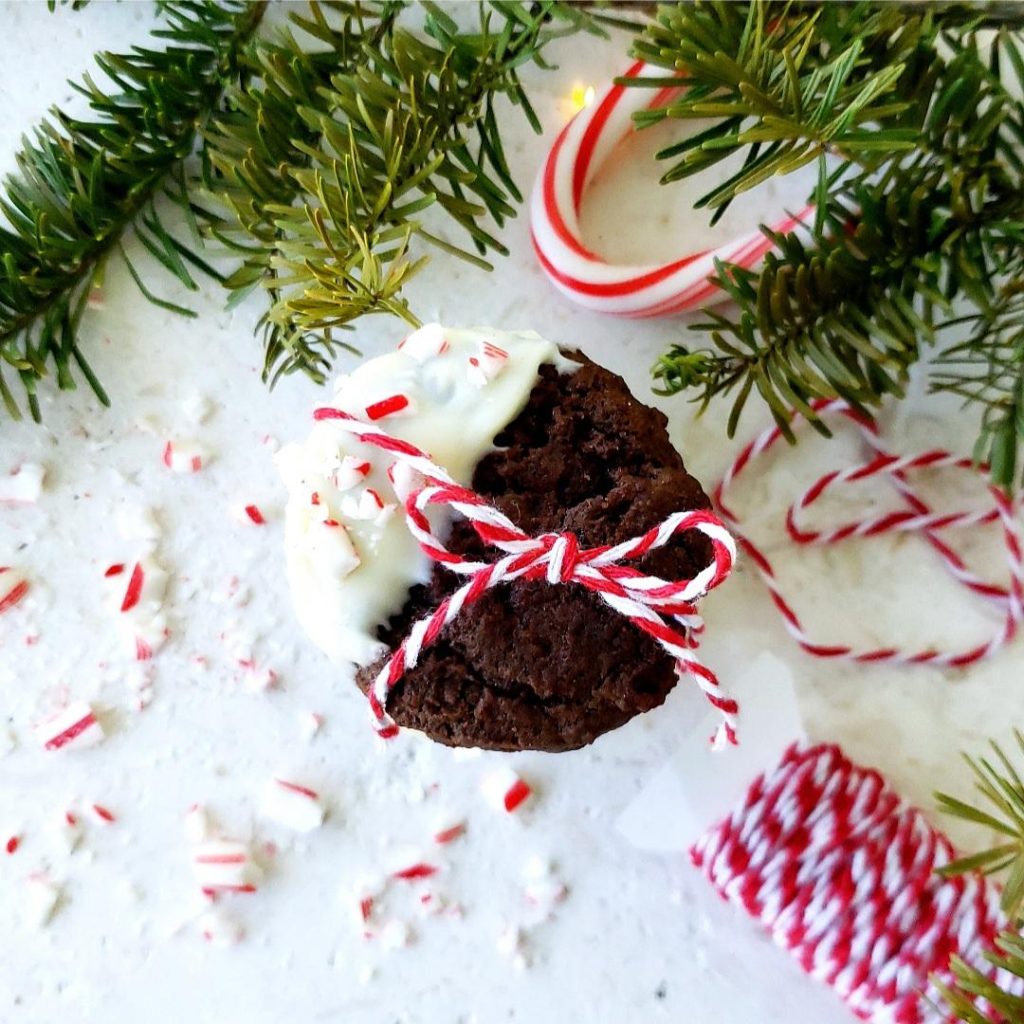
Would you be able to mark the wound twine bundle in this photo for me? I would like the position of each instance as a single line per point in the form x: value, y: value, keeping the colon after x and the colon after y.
x: 665, y: 610
x: 577, y: 155
x: 842, y: 873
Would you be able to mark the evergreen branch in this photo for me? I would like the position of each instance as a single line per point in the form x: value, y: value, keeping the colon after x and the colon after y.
x: 1000, y: 785
x: 83, y: 182
x: 325, y: 171
x: 973, y: 984
x: 916, y: 124
x: 988, y: 368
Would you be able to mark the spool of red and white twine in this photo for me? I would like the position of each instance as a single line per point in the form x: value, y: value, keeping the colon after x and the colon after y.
x: 580, y: 150
x: 842, y: 873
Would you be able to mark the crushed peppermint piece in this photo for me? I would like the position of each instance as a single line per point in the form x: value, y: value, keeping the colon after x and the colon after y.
x: 219, y: 928
x: 415, y: 872
x: 197, y: 408
x: 75, y: 726
x: 137, y: 522
x: 24, y: 485
x: 512, y: 943
x: 12, y: 844
x: 114, y: 570
x: 43, y: 897
x: 225, y: 865
x: 390, y: 406
x: 185, y: 456
x: 198, y: 824
x: 104, y: 814
x: 489, y: 361
x: 293, y: 805
x: 13, y: 587
x: 69, y: 830
x: 348, y: 471
x: 396, y: 934
x: 505, y: 789
x: 448, y: 829
x: 425, y: 343
x: 141, y: 605
x: 310, y: 724
x: 254, y: 515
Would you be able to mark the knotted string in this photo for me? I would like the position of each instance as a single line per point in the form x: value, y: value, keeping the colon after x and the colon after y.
x: 665, y: 610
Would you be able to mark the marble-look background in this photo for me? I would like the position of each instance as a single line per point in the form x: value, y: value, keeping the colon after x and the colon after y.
x: 640, y: 939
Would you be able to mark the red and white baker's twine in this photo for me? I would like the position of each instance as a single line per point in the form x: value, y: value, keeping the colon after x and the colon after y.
x: 842, y: 873
x: 917, y: 516
x: 664, y: 610
x: 650, y: 290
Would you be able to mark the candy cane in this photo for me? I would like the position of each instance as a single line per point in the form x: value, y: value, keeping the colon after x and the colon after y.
x: 648, y: 290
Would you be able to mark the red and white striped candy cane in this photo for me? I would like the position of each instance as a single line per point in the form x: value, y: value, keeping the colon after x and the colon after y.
x: 917, y: 516
x: 580, y: 150
x: 844, y: 874
x: 665, y: 610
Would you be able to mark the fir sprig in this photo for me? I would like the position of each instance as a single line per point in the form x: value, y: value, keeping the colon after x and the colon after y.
x: 1001, y: 788
x: 83, y: 182
x: 328, y: 166
x: 914, y: 119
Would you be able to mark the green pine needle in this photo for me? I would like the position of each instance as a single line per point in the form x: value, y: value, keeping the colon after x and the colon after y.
x: 915, y: 120
x: 323, y: 164
x: 83, y: 182
x: 1001, y: 810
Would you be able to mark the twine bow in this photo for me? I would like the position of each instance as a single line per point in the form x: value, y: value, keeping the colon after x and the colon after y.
x: 665, y: 610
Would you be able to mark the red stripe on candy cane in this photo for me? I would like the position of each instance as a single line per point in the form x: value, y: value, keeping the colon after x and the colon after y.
x: 844, y: 874
x: 633, y: 291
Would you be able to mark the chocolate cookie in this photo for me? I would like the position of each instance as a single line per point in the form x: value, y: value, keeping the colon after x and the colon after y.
x: 534, y: 665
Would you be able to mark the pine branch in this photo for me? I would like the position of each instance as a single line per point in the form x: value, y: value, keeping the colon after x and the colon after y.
x: 917, y: 132
x: 83, y: 182
x: 988, y: 368
x: 1001, y: 810
x: 358, y: 152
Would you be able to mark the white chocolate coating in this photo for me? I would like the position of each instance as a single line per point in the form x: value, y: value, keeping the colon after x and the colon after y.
x: 351, y: 560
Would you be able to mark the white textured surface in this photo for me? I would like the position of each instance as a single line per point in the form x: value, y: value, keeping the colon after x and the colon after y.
x: 639, y: 938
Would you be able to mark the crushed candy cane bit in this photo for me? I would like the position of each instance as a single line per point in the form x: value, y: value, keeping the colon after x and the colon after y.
x: 348, y: 472
x: 43, y: 897
x: 390, y: 406
x: 310, y: 724
x: 505, y: 790
x: 486, y: 364
x: 293, y: 805
x: 225, y: 865
x: 425, y: 343
x: 75, y: 726
x: 512, y: 943
x: 414, y: 872
x: 137, y: 522
x: 143, y: 624
x: 13, y: 587
x: 24, y: 485
x: 220, y: 929
x: 448, y: 830
x: 69, y: 830
x: 12, y: 844
x: 103, y: 814
x: 396, y: 934
x: 185, y: 456
x: 254, y: 515
x: 198, y: 824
